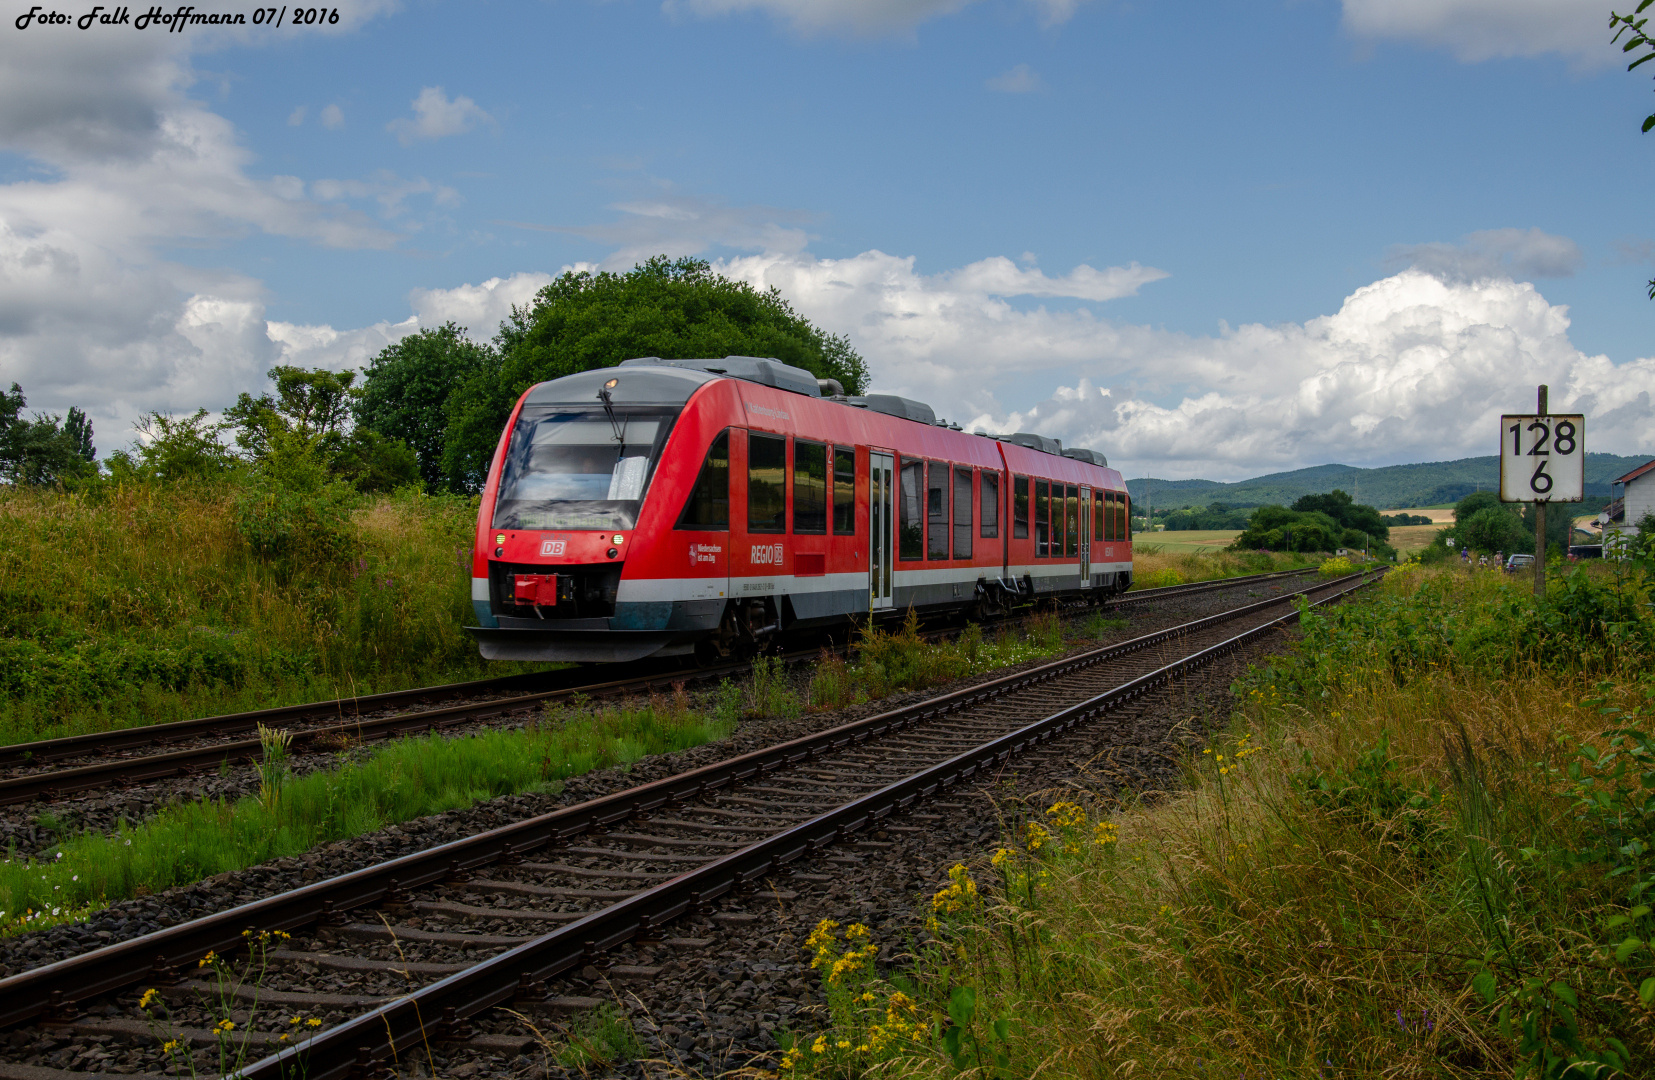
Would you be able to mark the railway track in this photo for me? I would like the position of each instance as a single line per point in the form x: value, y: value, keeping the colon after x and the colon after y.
x: 557, y: 892
x: 46, y: 769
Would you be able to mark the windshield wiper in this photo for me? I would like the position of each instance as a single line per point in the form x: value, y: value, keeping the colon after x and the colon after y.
x: 609, y: 409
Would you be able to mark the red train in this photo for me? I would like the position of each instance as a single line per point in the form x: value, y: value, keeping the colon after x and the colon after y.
x: 665, y: 507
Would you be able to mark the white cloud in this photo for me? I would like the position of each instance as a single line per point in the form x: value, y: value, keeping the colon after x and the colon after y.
x: 869, y: 17
x: 678, y: 225
x: 436, y: 117
x: 333, y: 117
x: 1477, y: 30
x: 126, y: 163
x: 1019, y: 80
x: 297, y: 116
x: 1514, y: 253
x: 1411, y: 368
x: 480, y: 309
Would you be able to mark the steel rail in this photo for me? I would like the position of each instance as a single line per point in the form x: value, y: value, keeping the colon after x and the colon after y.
x: 55, y: 986
x: 568, y: 679
x: 412, y: 1019
x: 56, y: 783
x: 1144, y: 596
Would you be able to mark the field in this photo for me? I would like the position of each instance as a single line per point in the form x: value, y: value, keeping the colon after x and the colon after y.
x: 1417, y: 847
x: 1192, y: 541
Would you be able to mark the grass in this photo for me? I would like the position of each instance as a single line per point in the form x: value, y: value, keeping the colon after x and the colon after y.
x: 886, y: 662
x: 1413, y: 851
x: 123, y: 606
x: 410, y: 778
x: 1189, y: 541
x: 1156, y: 565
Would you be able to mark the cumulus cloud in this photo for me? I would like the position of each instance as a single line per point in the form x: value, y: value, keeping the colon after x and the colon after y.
x: 678, y: 225
x: 1515, y: 253
x: 297, y: 116
x: 1476, y: 30
x: 333, y: 117
x: 1411, y: 368
x: 436, y: 117
x: 480, y: 309
x: 127, y: 163
x: 870, y: 17
x: 1021, y: 79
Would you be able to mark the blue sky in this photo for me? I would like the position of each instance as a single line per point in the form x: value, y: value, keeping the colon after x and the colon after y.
x: 1283, y: 234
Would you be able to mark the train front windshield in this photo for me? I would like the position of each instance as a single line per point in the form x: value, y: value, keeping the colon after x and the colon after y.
x: 578, y: 469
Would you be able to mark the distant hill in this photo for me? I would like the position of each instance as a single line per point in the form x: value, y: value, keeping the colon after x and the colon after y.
x: 1390, y: 488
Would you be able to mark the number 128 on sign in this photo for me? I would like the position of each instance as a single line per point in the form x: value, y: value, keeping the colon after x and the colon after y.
x: 1542, y: 458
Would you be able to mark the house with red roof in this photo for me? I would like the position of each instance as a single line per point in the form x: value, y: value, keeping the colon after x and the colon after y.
x: 1636, y: 499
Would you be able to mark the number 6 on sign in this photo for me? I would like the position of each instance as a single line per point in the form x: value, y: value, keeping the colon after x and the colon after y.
x: 1542, y: 458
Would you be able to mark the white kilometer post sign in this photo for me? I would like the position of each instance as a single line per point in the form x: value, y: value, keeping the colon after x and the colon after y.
x: 1542, y: 460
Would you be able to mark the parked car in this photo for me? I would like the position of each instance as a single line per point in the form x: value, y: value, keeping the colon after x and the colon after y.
x: 1519, y: 562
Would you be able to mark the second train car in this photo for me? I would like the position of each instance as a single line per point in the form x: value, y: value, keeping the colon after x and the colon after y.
x: 664, y: 507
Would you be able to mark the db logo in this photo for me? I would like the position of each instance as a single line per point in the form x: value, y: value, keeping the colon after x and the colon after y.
x: 767, y: 554
x: 551, y: 547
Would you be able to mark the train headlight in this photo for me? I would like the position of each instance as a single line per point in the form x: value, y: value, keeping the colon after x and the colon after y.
x: 617, y: 539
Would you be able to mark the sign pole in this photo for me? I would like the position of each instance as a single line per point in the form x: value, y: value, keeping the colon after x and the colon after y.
x: 1540, y: 529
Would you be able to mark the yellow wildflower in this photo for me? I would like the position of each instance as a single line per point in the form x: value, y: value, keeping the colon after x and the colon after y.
x: 313, y: 1022
x: 149, y: 997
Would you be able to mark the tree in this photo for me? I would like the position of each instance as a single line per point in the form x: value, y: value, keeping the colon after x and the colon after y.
x: 1637, y: 40
x: 1349, y: 514
x: 171, y: 449
x: 672, y: 309
x: 44, y: 450
x: 298, y: 435
x: 405, y: 389
x: 1495, y: 528
x: 1473, y: 504
x: 312, y: 405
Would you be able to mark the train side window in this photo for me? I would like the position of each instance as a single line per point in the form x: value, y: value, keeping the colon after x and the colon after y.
x: 766, y: 483
x: 991, y: 505
x: 936, y: 511
x: 1071, y: 500
x: 1124, y: 530
x: 844, y: 490
x: 962, y: 513
x: 708, y: 506
x: 1020, y: 508
x: 1097, y: 515
x: 809, y: 487
x: 911, y: 533
x: 1042, y: 518
x: 1109, y: 515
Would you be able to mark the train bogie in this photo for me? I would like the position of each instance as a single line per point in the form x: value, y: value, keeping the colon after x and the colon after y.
x: 667, y: 507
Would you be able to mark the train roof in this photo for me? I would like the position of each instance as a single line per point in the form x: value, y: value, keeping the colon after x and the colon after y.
x: 651, y: 380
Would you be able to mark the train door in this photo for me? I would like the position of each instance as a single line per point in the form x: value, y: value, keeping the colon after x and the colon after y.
x: 881, y: 514
x: 1085, y: 504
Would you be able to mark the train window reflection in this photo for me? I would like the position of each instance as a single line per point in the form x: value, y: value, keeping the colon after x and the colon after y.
x: 567, y: 469
x: 809, y: 487
x: 962, y: 513
x: 936, y: 512
x: 844, y: 490
x: 991, y: 505
x: 911, y: 532
x: 1042, y: 518
x: 708, y: 506
x: 1020, y: 508
x: 1071, y: 500
x: 766, y: 483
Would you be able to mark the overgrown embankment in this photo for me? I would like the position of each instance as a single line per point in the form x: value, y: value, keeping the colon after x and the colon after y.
x: 134, y: 604
x: 1421, y: 848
